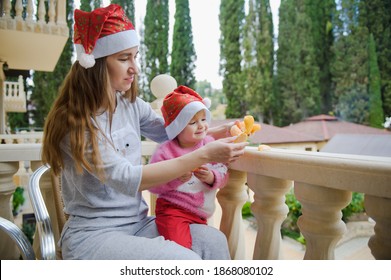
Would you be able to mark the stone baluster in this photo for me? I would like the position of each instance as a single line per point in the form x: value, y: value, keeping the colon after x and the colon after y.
x: 30, y: 11
x: 7, y: 9
x: 321, y: 220
x: 61, y: 12
x: 270, y: 211
x: 232, y: 198
x: 18, y: 10
x: 8, y: 248
x: 48, y: 196
x: 379, y: 209
x: 52, y: 12
x: 41, y: 12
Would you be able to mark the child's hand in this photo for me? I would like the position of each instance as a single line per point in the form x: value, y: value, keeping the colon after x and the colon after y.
x: 204, y: 175
x: 185, y: 177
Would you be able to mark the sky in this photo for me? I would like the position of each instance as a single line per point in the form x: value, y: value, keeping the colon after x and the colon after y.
x: 206, y: 34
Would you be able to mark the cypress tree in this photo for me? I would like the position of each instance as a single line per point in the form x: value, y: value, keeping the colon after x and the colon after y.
x: 46, y: 84
x: 231, y: 20
x: 258, y: 60
x: 183, y: 55
x: 297, y: 71
x: 321, y: 14
x: 155, y: 45
x: 376, y: 17
x: 376, y: 116
x: 86, y: 5
x: 350, y: 66
x: 128, y: 6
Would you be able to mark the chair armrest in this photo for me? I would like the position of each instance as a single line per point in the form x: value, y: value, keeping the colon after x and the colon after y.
x: 46, y: 236
x: 19, y: 237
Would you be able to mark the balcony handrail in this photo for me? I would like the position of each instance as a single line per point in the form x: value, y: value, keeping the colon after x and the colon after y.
x: 353, y: 171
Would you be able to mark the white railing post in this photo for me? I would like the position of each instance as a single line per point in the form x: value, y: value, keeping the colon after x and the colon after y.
x: 61, y: 12
x: 270, y: 211
x: 231, y: 199
x: 379, y: 209
x: 321, y: 220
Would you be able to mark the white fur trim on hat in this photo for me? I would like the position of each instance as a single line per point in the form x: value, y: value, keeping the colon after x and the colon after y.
x: 207, y: 102
x: 184, y: 116
x: 86, y: 60
x: 108, y: 45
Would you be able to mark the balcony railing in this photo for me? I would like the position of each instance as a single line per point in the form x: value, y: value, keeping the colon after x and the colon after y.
x: 323, y: 183
x: 14, y: 96
x: 33, y: 33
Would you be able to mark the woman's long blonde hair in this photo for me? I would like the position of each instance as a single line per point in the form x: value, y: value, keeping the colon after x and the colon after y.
x: 83, y: 94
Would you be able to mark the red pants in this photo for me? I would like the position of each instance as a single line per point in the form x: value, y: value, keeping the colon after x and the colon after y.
x: 173, y: 222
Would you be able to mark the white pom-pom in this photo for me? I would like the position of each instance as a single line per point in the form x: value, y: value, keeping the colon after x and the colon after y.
x: 207, y: 102
x: 87, y: 60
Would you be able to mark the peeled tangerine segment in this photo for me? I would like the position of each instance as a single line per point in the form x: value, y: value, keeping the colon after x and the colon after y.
x: 241, y: 138
x: 241, y: 125
x: 263, y: 147
x: 248, y: 123
x: 256, y: 127
x: 235, y: 130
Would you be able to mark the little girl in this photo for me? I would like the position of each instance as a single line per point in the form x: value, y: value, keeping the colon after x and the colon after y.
x: 189, y: 199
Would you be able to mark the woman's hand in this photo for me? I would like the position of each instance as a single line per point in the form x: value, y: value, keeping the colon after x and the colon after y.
x: 224, y: 150
x: 221, y: 131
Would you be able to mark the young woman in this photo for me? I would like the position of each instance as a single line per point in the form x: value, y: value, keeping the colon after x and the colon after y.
x: 92, y: 137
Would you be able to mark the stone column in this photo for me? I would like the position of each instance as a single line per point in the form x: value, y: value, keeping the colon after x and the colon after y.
x: 8, y: 248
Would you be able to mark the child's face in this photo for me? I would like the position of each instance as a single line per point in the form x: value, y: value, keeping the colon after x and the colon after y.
x: 194, y: 131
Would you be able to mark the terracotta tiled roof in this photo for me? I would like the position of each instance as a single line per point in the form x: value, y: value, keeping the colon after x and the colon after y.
x: 325, y: 127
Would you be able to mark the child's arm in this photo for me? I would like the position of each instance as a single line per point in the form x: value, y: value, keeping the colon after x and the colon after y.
x: 204, y: 175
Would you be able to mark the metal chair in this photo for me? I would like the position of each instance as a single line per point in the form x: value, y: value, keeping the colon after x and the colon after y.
x: 19, y: 237
x: 43, y: 222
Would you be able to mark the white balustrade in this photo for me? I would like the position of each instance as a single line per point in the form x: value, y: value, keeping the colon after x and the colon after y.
x: 51, y: 20
x: 322, y: 182
x: 14, y: 96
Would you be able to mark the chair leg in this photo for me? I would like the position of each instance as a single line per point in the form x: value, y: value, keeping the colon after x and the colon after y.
x: 19, y: 237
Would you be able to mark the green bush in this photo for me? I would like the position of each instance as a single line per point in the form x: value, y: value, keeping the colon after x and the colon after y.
x: 246, y: 210
x: 17, y: 200
x: 356, y: 206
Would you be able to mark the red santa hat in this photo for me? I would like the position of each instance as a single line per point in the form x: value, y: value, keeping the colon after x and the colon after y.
x: 180, y: 106
x: 102, y: 32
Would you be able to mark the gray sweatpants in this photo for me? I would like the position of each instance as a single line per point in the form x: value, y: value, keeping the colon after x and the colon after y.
x: 142, y: 241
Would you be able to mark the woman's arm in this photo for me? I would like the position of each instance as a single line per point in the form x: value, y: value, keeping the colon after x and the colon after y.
x: 222, y: 150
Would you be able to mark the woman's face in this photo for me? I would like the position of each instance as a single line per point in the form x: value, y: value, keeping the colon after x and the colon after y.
x: 122, y: 68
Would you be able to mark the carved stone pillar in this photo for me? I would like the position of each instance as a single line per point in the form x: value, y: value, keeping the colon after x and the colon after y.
x: 321, y: 220
x: 8, y: 248
x: 379, y: 209
x: 270, y: 211
x: 232, y: 198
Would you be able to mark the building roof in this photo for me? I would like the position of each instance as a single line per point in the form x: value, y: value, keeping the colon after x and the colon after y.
x: 325, y: 127
x: 270, y: 134
x: 359, y: 144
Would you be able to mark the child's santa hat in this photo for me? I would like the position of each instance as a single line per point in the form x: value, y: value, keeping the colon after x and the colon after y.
x: 102, y: 32
x: 180, y: 106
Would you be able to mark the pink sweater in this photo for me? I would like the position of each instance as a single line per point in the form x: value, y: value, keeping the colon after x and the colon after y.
x: 193, y: 195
